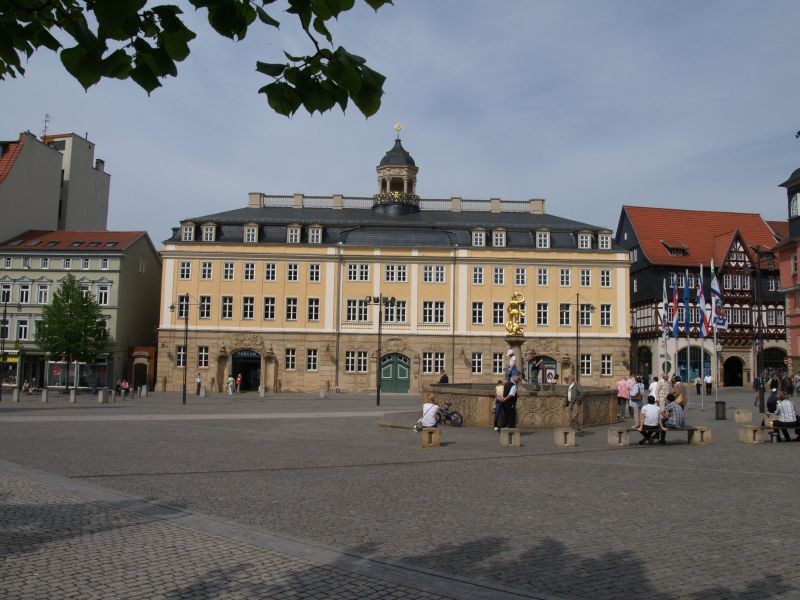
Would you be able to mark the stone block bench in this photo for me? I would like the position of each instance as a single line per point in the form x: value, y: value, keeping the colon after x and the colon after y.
x: 695, y: 436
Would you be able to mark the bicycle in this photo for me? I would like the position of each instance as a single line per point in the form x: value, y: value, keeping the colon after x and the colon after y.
x: 453, y: 417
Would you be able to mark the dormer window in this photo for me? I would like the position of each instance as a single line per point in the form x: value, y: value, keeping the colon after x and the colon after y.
x: 315, y: 235
x: 604, y: 241
x: 209, y: 233
x: 479, y: 238
x: 293, y: 235
x: 675, y: 248
x: 499, y: 239
x: 542, y: 239
x: 584, y: 241
x: 187, y: 233
x: 250, y: 234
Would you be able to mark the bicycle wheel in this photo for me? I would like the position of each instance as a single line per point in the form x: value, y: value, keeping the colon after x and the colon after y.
x: 456, y: 420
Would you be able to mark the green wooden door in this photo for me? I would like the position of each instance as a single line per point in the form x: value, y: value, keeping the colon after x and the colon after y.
x: 395, y: 373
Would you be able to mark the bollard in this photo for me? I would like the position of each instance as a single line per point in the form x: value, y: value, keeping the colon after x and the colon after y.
x: 203, y: 391
x: 144, y: 391
x: 72, y: 396
x: 101, y: 396
x: 323, y: 393
x: 112, y: 396
x: 262, y: 391
x: 44, y: 396
x: 430, y: 437
x: 564, y: 437
x: 509, y: 437
x: 15, y: 395
x: 719, y: 407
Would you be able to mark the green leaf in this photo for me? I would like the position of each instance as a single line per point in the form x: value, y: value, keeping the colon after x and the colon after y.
x: 117, y: 64
x: 281, y: 98
x: 376, y: 4
x: 119, y: 19
x: 82, y: 65
x: 266, y: 19
x: 343, y: 73
x: 319, y: 27
x: 368, y: 100
x: 142, y: 75
x: 271, y: 69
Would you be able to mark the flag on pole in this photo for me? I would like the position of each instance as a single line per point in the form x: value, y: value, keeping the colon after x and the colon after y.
x: 686, y: 303
x: 664, y: 311
x: 718, y: 319
x: 701, y: 302
x: 675, y: 308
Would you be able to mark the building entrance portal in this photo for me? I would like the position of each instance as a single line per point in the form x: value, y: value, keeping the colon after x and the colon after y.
x: 395, y: 373
x: 733, y: 372
x: 248, y: 363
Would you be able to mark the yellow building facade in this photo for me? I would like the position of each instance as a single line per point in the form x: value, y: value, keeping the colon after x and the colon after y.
x: 300, y: 293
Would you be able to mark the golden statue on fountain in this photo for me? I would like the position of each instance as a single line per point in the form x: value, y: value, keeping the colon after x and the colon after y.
x: 515, y: 314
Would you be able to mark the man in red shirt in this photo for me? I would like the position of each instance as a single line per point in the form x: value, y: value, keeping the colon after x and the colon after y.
x: 623, y: 395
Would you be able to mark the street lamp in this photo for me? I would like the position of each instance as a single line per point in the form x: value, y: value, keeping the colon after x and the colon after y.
x: 3, y: 335
x: 590, y: 309
x: 183, y: 303
x: 382, y: 302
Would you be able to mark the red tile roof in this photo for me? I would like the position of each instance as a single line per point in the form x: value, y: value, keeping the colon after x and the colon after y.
x: 706, y: 234
x: 71, y: 241
x: 9, y: 156
x: 781, y: 228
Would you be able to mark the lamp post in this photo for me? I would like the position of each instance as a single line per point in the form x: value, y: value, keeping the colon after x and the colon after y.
x: 183, y: 301
x: 590, y: 308
x: 382, y: 302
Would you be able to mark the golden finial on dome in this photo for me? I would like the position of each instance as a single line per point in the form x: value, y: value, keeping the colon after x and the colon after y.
x: 397, y: 127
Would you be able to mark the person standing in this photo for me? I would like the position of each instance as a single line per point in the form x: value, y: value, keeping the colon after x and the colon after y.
x: 498, y: 401
x: 508, y: 406
x: 651, y: 391
x: 198, y: 382
x: 512, y: 365
x: 623, y: 395
x: 573, y: 402
x: 708, y: 380
x: 698, y: 383
x: 663, y: 390
x: 231, y: 385
x: 637, y: 398
x: 444, y: 378
x: 239, y: 383
x: 538, y: 363
x: 678, y: 391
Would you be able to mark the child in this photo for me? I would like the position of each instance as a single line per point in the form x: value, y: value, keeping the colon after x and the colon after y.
x: 498, y: 398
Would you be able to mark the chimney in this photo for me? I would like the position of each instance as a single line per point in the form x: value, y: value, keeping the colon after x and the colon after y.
x: 100, y: 165
x: 254, y: 200
x: 537, y: 206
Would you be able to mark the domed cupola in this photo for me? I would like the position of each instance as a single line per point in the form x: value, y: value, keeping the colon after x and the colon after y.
x: 397, y: 181
x: 792, y: 186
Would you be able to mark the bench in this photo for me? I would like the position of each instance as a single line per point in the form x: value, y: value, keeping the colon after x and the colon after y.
x: 696, y: 436
x: 774, y: 434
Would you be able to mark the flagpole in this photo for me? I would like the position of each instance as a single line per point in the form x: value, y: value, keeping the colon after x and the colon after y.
x: 702, y: 314
x: 688, y: 324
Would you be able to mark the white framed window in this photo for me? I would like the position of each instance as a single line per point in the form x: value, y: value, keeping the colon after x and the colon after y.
x: 8, y: 262
x: 499, y: 239
x: 86, y: 264
x: 433, y: 273
x: 477, y: 275
x: 477, y: 363
x: 565, y: 315
x: 586, y: 278
x: 24, y: 295
x: 249, y: 271
x: 311, y: 359
x: 356, y: 311
x: 542, y: 239
x: 293, y: 235
x: 358, y: 272
x: 204, y: 307
x: 103, y: 295
x: 604, y: 241
x: 498, y: 364
x: 433, y: 311
x: 584, y: 241
x: 250, y: 234
x: 432, y: 362
x: 542, y: 314
x: 315, y: 235
x: 292, y: 272
x: 185, y: 270
x: 565, y: 277
x: 44, y: 263
x: 542, y: 276
x: 67, y: 263
x: 479, y: 238
x: 362, y: 361
x: 289, y: 359
x: 727, y: 281
x: 104, y: 264
x: 605, y: 315
x: 498, y: 313
x: 313, y: 272
x: 228, y: 271
x: 209, y: 233
x: 269, y: 308
x: 793, y: 261
x: 681, y: 280
x: 226, y: 307
x: 355, y: 361
x: 205, y: 269
x: 180, y: 356
x: 183, y: 306
x: 396, y: 313
x: 5, y: 293
x: 586, y: 364
x: 187, y: 233
x: 270, y: 272
x: 605, y: 364
x: 586, y: 315
x: 634, y: 255
x: 43, y: 293
x: 248, y: 307
x: 477, y: 313
x: 605, y: 278
x: 520, y: 276
x: 202, y: 357
x: 499, y: 275
x: 313, y: 309
x: 291, y: 309
x: 395, y: 273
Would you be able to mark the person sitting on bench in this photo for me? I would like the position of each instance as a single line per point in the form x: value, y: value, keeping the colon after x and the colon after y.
x: 786, y: 416
x: 650, y: 422
x: 674, y: 418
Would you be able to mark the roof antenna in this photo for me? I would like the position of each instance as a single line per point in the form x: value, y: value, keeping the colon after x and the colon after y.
x: 47, y: 119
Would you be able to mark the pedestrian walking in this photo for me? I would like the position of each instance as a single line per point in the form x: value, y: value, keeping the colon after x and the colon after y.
x: 198, y: 382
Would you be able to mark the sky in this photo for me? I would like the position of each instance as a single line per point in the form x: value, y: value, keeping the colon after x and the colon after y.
x: 590, y: 105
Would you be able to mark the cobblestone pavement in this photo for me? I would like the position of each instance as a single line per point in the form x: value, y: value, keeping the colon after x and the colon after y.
x: 277, y: 504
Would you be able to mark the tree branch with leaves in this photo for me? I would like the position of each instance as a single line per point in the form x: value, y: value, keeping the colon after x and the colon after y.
x: 127, y: 39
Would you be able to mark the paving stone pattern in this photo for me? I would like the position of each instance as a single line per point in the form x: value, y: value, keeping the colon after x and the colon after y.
x: 661, y: 522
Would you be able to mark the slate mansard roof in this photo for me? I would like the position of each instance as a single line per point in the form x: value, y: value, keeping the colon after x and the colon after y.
x: 370, y: 228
